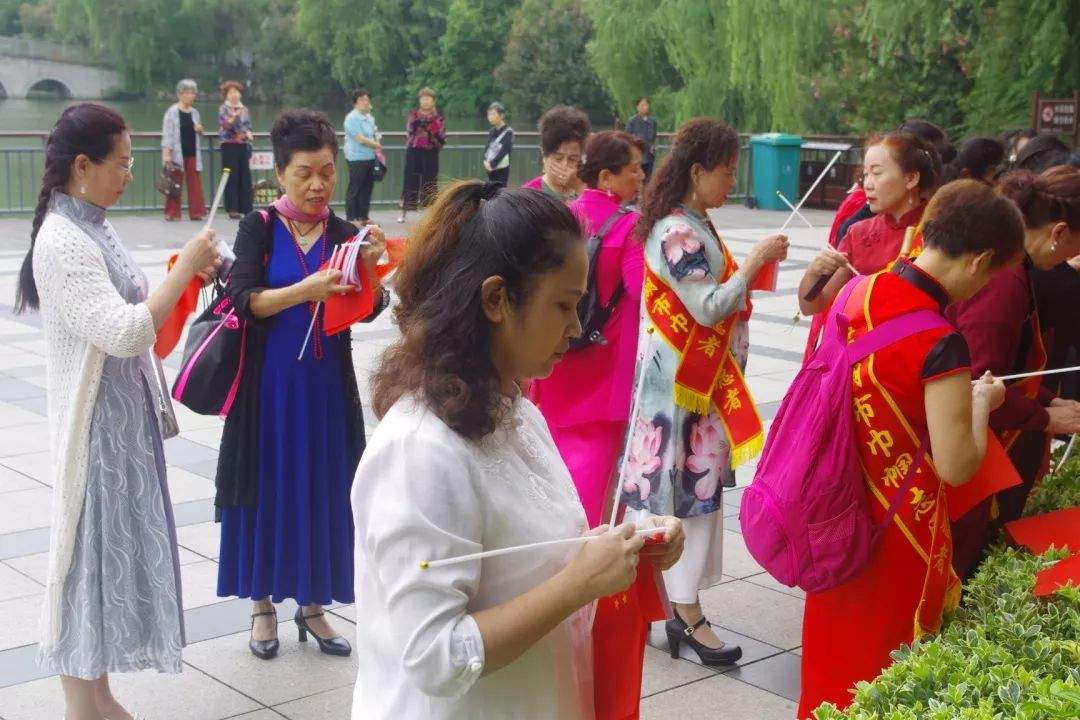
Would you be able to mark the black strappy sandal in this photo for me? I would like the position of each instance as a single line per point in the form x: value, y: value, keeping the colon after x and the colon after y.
x: 334, y: 646
x: 264, y: 649
x: 679, y: 632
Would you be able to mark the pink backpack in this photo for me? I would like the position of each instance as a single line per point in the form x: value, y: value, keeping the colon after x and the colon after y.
x: 806, y: 518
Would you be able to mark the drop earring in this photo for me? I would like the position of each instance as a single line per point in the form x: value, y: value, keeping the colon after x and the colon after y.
x: 1053, y: 246
x: 82, y: 189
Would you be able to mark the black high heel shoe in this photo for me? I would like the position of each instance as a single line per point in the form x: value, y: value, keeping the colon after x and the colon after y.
x: 679, y: 632
x: 264, y: 649
x: 333, y: 646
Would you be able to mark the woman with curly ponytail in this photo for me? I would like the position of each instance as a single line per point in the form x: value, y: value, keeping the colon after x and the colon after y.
x: 112, y: 598
x: 694, y: 321
x: 461, y: 463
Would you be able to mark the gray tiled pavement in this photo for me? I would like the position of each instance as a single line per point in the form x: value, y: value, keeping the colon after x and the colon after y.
x: 221, y: 679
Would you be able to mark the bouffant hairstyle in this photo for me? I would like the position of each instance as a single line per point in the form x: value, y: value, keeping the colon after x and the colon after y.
x: 230, y: 85
x: 301, y: 130
x: 472, y: 232
x: 560, y: 124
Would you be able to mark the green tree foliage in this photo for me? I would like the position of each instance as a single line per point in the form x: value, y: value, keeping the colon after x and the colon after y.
x: 834, y: 66
x: 892, y: 61
x: 134, y: 32
x: 282, y: 65
x: 375, y: 43
x: 627, y: 31
x: 1023, y: 46
x: 737, y: 60
x: 463, y: 68
x: 546, y: 62
x: 9, y: 17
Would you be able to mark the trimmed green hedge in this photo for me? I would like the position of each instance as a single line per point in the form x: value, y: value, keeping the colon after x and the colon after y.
x: 1004, y: 655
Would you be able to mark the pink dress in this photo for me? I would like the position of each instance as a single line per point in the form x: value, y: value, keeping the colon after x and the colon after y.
x: 586, y: 400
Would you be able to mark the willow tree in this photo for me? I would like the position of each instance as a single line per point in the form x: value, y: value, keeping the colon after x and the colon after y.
x: 745, y: 62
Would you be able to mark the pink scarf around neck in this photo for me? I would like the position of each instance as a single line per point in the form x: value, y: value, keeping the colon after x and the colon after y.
x: 285, y: 207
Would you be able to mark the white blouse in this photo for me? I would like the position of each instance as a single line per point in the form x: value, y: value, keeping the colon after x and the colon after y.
x: 423, y: 492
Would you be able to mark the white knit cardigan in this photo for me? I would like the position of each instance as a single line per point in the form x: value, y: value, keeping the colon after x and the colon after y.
x: 85, y: 318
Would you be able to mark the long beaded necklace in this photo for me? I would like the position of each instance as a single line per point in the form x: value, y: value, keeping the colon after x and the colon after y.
x: 312, y: 307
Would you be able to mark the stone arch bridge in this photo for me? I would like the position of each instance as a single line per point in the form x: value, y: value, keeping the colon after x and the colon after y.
x: 27, y: 65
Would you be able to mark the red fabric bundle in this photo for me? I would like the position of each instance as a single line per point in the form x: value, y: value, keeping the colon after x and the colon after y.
x: 620, y: 629
x: 341, y: 311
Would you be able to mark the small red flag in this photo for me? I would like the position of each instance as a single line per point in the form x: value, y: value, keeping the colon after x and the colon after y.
x: 996, y: 473
x: 168, y: 335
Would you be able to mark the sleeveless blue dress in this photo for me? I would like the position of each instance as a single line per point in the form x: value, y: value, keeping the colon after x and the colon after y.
x: 297, y: 541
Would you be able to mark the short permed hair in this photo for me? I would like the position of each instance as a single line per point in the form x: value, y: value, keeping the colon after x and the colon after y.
x: 967, y: 216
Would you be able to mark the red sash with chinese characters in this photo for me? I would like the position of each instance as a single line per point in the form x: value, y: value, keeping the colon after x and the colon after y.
x: 708, y: 375
x: 888, y: 444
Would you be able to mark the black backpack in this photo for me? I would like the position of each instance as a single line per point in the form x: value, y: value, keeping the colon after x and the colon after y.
x: 592, y: 312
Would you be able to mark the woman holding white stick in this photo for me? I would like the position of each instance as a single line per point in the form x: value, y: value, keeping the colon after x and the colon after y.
x: 1002, y: 328
x: 462, y: 463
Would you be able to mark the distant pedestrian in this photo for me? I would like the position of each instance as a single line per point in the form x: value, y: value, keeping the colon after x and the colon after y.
x: 500, y: 144
x: 643, y: 125
x: 361, y: 143
x: 234, y: 132
x: 426, y: 136
x: 180, y: 130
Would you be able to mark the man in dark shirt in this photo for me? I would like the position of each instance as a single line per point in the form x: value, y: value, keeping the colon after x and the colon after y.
x: 644, y: 127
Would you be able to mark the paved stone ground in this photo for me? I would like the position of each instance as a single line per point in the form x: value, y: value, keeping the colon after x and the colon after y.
x: 221, y: 679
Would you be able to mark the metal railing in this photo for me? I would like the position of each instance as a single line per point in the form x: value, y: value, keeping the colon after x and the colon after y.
x: 22, y: 159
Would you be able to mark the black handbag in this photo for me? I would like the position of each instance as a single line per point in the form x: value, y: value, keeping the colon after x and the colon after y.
x: 213, y: 358
x: 166, y: 185
x: 378, y: 170
x: 592, y: 313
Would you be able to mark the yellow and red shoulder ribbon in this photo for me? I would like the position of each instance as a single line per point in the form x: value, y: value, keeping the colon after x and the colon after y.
x: 708, y: 376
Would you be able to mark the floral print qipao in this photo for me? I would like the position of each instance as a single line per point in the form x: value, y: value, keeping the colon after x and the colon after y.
x: 676, y: 461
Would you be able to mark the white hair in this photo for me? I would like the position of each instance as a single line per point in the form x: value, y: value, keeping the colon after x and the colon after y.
x: 186, y: 84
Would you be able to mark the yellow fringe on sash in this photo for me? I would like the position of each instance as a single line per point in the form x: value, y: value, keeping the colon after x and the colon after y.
x: 691, y: 400
x: 748, y: 450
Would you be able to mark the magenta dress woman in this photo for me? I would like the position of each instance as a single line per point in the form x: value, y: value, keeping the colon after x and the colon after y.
x: 586, y: 400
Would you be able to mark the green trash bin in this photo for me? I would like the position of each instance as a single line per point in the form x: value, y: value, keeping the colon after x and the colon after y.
x: 775, y: 166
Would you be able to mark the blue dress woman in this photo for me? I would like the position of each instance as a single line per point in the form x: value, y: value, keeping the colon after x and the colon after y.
x: 294, y: 436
